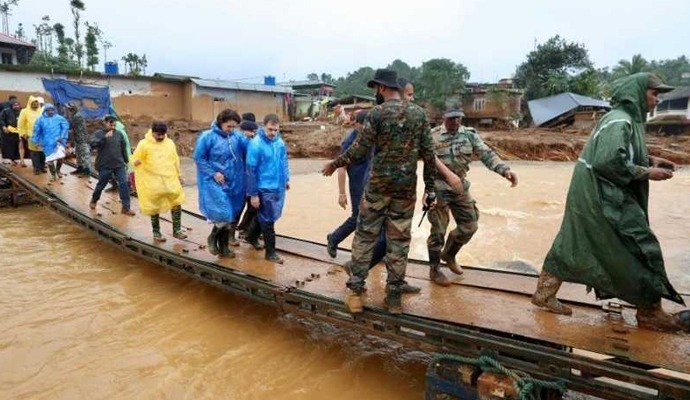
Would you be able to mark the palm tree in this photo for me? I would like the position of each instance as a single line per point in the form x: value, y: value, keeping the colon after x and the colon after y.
x: 5, y: 7
x: 625, y: 67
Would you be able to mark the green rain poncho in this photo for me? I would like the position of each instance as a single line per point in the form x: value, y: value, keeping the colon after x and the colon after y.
x: 605, y: 241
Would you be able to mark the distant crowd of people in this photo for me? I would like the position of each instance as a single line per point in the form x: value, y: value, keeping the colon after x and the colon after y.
x: 605, y: 241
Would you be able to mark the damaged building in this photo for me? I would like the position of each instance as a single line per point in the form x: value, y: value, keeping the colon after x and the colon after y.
x: 567, y: 110
x: 672, y: 114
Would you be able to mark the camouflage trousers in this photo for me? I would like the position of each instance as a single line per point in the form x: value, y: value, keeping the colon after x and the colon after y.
x: 83, y: 156
x: 395, y: 216
x: 465, y: 214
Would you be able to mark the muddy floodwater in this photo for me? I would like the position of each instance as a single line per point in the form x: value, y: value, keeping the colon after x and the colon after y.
x: 79, y: 320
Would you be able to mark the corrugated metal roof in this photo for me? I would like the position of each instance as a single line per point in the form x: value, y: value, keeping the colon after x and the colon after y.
x: 678, y: 93
x: 230, y: 85
x: 13, y: 40
x: 307, y: 83
x: 548, y: 108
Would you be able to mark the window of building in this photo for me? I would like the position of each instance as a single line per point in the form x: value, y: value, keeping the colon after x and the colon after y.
x: 673, y: 105
x: 479, y: 104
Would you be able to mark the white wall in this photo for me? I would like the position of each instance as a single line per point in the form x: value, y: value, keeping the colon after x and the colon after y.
x: 30, y: 82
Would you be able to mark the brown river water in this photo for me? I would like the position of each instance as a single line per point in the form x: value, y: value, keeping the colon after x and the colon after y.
x: 79, y: 320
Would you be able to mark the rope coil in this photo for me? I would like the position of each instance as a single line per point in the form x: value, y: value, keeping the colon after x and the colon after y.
x: 528, y: 388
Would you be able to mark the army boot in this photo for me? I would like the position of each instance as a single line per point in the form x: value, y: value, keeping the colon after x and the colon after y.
x: 393, y: 300
x: 545, y: 295
x: 212, y: 241
x: 354, y: 302
x: 435, y: 273
x: 450, y: 250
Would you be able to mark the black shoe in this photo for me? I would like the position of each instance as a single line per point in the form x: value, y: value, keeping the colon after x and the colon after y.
x: 223, y: 238
x: 77, y: 171
x: 331, y: 248
x: 275, y: 258
x: 212, y: 241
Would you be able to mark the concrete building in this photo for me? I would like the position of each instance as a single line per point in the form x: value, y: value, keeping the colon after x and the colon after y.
x: 492, y: 104
x: 161, y: 97
x: 672, y: 114
x: 14, y: 51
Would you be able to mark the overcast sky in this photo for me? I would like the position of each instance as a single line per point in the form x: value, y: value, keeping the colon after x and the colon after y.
x: 233, y: 39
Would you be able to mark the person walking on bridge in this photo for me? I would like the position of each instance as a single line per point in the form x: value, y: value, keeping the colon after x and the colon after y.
x: 112, y: 159
x: 455, y: 145
x: 268, y: 178
x: 605, y: 241
x: 219, y: 155
x: 81, y: 144
x: 51, y: 132
x: 10, y: 134
x: 159, y: 179
x: 399, y: 133
x: 25, y: 125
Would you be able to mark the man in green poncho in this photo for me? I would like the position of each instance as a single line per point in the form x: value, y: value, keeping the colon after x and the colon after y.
x: 605, y: 241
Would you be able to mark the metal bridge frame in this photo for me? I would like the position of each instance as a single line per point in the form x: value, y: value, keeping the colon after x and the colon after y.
x: 614, y: 378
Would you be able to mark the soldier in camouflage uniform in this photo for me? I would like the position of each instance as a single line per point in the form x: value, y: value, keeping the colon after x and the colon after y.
x: 80, y: 141
x: 399, y: 132
x: 455, y: 145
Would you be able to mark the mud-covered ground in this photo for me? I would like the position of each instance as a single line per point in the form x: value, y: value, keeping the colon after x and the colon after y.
x: 322, y: 140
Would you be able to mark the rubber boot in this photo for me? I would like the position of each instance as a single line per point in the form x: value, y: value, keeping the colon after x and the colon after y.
x: 212, y: 241
x: 354, y: 302
x: 156, y: 226
x: 232, y: 240
x: 270, y: 242
x: 253, y: 232
x: 545, y: 295
x: 177, y: 223
x: 85, y: 173
x: 393, y: 300
x: 435, y: 273
x: 655, y: 318
x: 223, y: 237
x: 450, y: 250
x: 53, y: 172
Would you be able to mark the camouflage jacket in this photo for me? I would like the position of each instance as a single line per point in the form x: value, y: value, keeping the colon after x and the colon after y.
x: 400, y: 135
x: 78, y: 125
x: 455, y: 151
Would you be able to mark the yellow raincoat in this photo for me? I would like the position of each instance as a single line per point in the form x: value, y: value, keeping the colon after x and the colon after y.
x: 25, y: 123
x: 158, y: 176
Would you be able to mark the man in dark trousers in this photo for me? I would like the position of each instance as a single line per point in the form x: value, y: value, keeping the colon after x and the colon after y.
x: 112, y: 159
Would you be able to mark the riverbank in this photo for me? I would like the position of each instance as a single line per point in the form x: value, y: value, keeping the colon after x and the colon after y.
x: 322, y: 140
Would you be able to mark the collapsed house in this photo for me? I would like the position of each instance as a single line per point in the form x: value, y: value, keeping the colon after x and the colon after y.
x: 567, y: 109
x: 672, y: 114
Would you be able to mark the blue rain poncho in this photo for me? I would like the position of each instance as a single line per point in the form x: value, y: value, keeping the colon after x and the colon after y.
x: 217, y: 151
x: 49, y: 131
x: 267, y: 174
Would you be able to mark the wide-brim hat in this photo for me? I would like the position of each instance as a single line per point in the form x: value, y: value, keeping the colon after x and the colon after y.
x: 385, y: 77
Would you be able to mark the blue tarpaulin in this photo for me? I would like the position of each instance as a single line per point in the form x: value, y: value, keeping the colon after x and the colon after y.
x: 94, y: 101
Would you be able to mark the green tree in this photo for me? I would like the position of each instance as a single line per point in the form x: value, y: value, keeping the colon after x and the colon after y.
x: 77, y: 7
x: 5, y: 8
x: 555, y: 66
x: 135, y: 64
x: 355, y: 83
x: 313, y: 77
x: 63, y: 50
x: 674, y: 72
x: 402, y: 68
x: 439, y: 79
x: 327, y: 78
x: 41, y: 59
x: 625, y: 67
x: 91, y: 41
x: 44, y: 36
